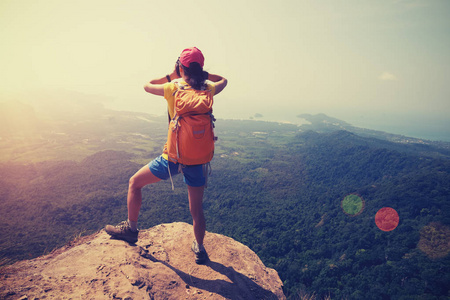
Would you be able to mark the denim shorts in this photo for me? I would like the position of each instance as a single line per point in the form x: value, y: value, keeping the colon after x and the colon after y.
x: 193, y: 175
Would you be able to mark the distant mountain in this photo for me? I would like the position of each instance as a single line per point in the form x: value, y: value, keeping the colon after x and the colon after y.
x: 323, y: 123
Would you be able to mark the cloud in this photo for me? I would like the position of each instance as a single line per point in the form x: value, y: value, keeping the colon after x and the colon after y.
x: 387, y: 76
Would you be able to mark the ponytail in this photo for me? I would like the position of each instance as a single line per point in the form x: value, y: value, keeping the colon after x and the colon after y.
x: 196, y: 75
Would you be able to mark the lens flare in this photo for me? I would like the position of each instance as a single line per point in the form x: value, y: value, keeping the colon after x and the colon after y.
x: 435, y: 240
x: 352, y: 205
x: 387, y: 219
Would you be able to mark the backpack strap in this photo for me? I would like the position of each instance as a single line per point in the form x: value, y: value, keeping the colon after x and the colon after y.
x: 207, y: 172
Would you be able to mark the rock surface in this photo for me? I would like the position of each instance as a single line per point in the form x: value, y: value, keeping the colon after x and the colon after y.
x: 159, y: 266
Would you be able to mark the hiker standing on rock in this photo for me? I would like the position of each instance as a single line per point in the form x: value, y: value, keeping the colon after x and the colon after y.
x: 189, y: 93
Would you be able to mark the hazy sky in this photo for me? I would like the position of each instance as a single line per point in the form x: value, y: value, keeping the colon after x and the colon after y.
x: 355, y: 60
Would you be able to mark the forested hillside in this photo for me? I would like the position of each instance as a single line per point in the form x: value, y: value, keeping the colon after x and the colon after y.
x: 274, y: 187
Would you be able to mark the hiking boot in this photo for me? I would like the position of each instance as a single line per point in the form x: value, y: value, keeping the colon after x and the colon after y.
x: 201, y: 256
x: 122, y: 231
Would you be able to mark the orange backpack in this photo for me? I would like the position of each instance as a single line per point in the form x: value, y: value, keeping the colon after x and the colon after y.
x: 190, y: 138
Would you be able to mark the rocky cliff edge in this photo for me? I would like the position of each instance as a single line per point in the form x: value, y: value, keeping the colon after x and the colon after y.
x: 159, y: 266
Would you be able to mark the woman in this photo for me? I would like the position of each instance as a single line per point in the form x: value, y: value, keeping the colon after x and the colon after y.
x: 188, y: 71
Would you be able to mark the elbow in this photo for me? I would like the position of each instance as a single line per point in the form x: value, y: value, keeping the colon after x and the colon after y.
x: 221, y: 85
x: 224, y: 83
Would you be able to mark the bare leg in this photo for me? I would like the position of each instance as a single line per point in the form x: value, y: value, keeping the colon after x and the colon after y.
x: 142, y: 178
x: 196, y: 208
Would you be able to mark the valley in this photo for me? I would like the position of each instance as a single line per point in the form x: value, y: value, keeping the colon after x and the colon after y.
x: 277, y: 188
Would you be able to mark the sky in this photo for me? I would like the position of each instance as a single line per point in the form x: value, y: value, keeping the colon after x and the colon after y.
x: 376, y: 64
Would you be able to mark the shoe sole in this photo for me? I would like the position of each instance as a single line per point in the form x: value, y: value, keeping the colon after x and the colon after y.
x: 201, y: 261
x: 123, y: 238
x: 117, y: 237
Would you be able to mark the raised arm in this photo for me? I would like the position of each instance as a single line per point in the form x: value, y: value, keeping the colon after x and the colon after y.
x: 219, y: 82
x: 156, y: 86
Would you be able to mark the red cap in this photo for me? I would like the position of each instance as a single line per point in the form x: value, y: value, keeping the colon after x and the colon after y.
x: 191, y: 55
